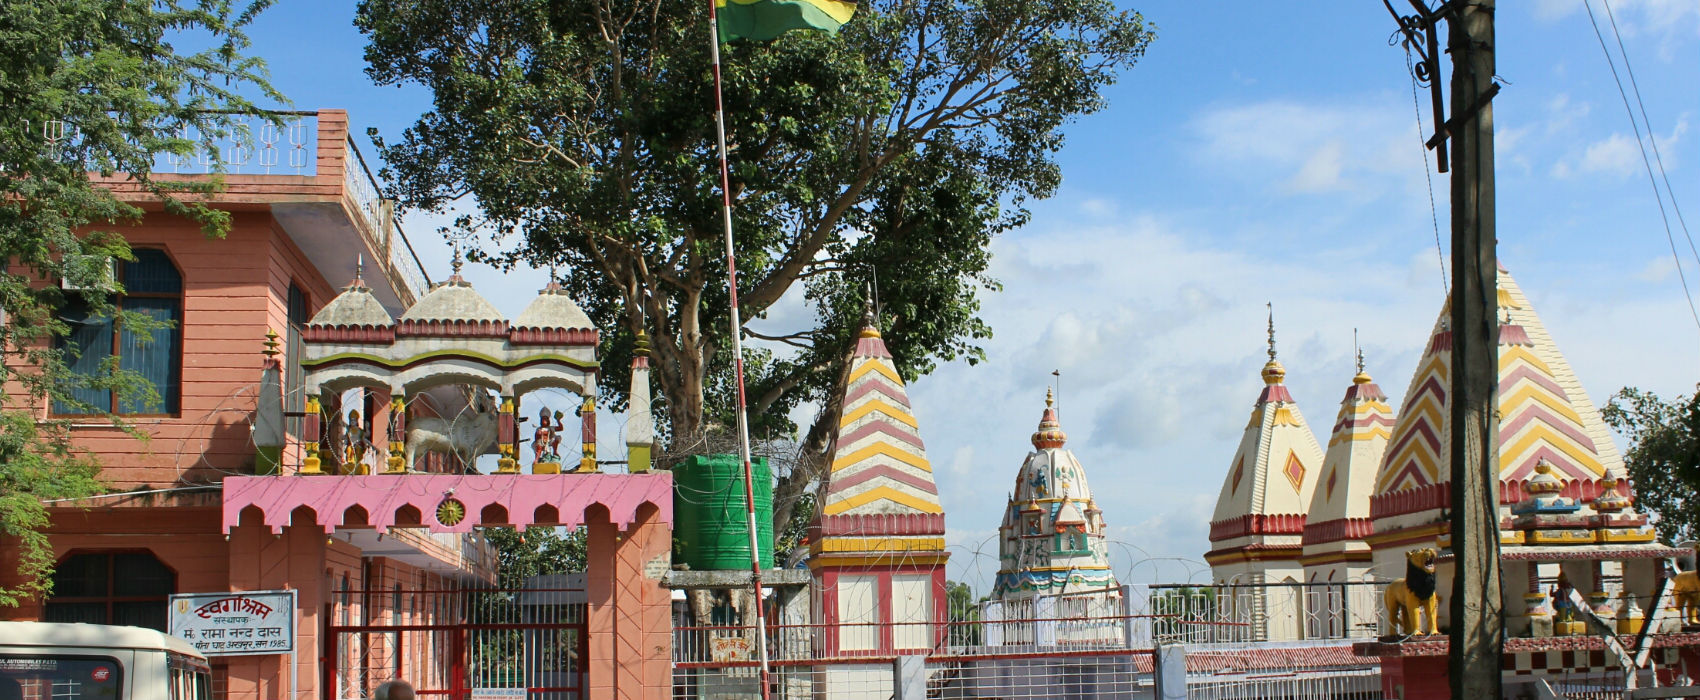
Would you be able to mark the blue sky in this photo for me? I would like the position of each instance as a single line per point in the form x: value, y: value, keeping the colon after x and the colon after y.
x: 1260, y: 152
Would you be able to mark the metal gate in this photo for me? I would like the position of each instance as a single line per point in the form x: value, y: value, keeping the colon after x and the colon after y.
x: 457, y: 644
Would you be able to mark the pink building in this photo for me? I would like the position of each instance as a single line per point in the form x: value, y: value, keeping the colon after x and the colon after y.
x: 214, y: 499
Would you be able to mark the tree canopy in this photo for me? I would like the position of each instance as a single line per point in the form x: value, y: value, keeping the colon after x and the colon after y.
x: 92, y: 87
x: 1663, y: 458
x: 580, y: 135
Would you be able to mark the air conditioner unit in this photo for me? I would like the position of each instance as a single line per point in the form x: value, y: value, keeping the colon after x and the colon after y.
x: 97, y: 272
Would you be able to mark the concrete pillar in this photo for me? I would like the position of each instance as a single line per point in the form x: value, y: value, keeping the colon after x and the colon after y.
x: 294, y: 559
x: 629, y: 618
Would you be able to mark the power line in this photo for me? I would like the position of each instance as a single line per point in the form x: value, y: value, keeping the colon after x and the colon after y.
x: 1657, y: 196
x: 1652, y: 138
x: 1428, y: 178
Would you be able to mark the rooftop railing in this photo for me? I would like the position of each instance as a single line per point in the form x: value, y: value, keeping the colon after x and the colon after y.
x: 289, y: 156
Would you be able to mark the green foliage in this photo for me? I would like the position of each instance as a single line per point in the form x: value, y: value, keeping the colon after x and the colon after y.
x: 962, y: 607
x: 582, y: 135
x: 1180, y: 610
x: 35, y: 467
x: 537, y: 551
x: 1663, y: 458
x: 93, y: 87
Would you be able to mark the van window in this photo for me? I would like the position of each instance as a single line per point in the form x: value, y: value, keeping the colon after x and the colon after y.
x: 49, y: 677
x: 191, y: 678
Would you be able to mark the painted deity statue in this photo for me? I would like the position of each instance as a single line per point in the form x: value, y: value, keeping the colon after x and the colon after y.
x: 544, y: 440
x: 555, y: 437
x: 355, y: 449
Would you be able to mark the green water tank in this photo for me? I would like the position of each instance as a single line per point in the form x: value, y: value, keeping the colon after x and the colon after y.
x: 710, y: 520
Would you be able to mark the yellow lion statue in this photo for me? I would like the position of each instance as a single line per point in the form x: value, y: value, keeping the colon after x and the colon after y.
x: 1415, y: 594
x: 1687, y: 590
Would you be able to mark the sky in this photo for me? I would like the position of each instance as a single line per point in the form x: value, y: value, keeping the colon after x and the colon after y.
x: 1259, y: 153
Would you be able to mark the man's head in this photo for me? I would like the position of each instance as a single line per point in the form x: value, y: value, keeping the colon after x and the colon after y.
x: 395, y: 690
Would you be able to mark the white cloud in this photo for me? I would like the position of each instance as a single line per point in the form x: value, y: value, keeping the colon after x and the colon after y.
x: 1313, y: 148
x: 1657, y: 270
x: 1616, y: 155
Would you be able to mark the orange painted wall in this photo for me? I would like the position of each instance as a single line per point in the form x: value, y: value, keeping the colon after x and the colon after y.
x: 235, y: 288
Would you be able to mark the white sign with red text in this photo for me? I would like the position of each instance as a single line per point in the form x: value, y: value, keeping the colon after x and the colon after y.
x: 239, y: 623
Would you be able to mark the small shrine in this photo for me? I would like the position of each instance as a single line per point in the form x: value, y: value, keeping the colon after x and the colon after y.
x: 452, y: 336
x: 1256, y: 532
x: 876, y: 547
x: 440, y: 387
x: 1052, y: 536
x: 1338, y: 520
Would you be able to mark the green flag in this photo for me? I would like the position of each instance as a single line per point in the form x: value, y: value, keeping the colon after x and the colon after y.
x: 766, y: 19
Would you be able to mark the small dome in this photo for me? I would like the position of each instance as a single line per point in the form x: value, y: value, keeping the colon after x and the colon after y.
x: 1050, y: 434
x: 355, y: 306
x: 453, y: 300
x: 553, y: 309
x: 1273, y: 372
x: 1543, y: 482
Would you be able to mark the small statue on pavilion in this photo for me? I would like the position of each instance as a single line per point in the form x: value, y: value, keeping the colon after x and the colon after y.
x: 555, y: 437
x: 354, y: 450
x: 544, y: 440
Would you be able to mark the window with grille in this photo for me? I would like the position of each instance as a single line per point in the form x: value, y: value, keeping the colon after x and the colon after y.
x: 295, y: 376
x: 153, y: 288
x: 112, y: 588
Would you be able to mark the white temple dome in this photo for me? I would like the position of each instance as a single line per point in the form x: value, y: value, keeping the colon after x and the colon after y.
x: 553, y: 309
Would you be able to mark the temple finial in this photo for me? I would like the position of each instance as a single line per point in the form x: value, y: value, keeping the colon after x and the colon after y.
x: 1271, y: 306
x: 1359, y: 349
x: 870, y: 314
x: 1050, y: 398
x: 359, y: 266
x: 455, y: 263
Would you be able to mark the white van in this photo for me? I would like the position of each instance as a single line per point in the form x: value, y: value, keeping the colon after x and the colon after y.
x: 54, y: 660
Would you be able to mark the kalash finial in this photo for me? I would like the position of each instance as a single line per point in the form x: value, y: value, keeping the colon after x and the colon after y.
x: 455, y: 263
x: 870, y: 320
x: 1271, y: 306
x: 359, y: 281
x: 1273, y: 372
x: 1050, y: 434
x: 1362, y: 376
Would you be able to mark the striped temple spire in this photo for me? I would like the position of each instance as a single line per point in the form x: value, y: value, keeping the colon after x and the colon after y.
x: 1338, y: 519
x: 879, y: 495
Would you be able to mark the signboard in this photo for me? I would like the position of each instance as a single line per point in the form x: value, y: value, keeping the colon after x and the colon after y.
x: 498, y: 694
x: 728, y: 647
x: 239, y: 623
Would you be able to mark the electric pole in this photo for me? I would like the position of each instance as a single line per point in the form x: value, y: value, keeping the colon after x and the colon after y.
x: 1477, y: 634
x: 1478, y: 629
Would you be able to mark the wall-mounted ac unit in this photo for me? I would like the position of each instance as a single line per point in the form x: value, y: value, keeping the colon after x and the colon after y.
x: 97, y: 272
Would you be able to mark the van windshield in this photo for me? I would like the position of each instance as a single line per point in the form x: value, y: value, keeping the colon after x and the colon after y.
x: 54, y: 676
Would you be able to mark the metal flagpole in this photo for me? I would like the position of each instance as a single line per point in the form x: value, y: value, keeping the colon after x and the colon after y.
x: 738, y: 349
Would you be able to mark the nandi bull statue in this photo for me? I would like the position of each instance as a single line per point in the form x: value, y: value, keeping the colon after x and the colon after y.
x: 1412, y: 602
x: 467, y: 436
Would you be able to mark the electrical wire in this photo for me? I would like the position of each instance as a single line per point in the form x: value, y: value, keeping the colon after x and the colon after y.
x: 1670, y: 236
x: 1651, y: 137
x: 1428, y: 177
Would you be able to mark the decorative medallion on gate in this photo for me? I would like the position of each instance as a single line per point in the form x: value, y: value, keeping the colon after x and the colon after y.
x: 450, y: 512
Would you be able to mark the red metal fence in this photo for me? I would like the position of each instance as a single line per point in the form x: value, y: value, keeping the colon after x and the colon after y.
x: 448, y: 643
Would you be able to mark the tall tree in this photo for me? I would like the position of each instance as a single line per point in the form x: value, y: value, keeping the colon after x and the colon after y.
x: 92, y: 87
x: 581, y: 134
x: 1663, y: 458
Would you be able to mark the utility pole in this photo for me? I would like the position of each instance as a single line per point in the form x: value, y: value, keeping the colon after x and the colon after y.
x: 1478, y: 622
x: 1477, y: 634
